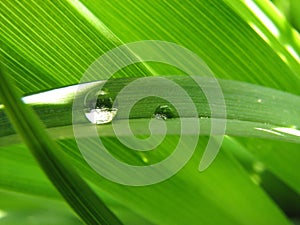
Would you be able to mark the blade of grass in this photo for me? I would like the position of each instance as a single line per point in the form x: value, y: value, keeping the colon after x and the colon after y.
x: 71, y: 186
x: 16, y: 207
x: 212, y: 30
x: 252, y: 110
x: 200, y: 195
x: 272, y: 27
x: 137, y: 198
x: 217, y: 31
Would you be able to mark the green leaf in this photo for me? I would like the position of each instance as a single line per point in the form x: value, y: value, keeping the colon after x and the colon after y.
x: 50, y: 44
x: 72, y: 187
x: 32, y: 210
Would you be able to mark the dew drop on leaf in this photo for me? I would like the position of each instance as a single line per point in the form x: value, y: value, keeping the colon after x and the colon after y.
x: 99, y: 108
x: 163, y: 112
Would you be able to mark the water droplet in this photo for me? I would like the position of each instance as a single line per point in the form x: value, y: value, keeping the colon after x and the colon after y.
x: 101, y: 116
x: 144, y: 158
x: 99, y: 107
x: 204, y: 117
x: 163, y: 112
x: 258, y: 167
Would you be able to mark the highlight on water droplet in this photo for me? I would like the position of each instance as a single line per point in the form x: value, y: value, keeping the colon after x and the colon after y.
x: 144, y: 158
x: 101, y: 116
x: 163, y: 112
x: 99, y: 107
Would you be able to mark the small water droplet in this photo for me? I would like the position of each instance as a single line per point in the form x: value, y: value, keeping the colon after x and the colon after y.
x: 99, y: 107
x: 144, y: 158
x: 163, y: 112
x: 258, y: 167
x: 204, y: 117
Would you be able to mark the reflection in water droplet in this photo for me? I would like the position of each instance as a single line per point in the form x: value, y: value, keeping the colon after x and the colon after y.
x: 101, y: 116
x: 160, y: 116
x: 99, y: 107
x: 163, y: 112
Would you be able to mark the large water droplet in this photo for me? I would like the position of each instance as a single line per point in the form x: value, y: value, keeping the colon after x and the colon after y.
x: 101, y: 116
x: 99, y: 107
x: 163, y: 112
